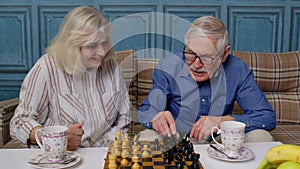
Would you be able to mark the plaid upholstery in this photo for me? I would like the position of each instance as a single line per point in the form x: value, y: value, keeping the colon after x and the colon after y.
x: 7, y: 109
x: 288, y: 134
x: 145, y: 71
x: 128, y: 63
x: 278, y: 75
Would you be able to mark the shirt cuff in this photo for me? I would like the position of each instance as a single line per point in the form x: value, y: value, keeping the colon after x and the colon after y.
x: 148, y: 125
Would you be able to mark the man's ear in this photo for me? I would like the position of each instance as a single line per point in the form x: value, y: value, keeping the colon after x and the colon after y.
x: 226, y: 53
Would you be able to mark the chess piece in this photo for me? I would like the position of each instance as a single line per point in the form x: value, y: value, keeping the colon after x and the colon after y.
x: 117, y: 148
x: 145, y: 153
x: 126, y: 139
x: 118, y: 137
x: 135, y: 146
x: 112, y: 161
x: 168, y: 157
x: 136, y: 165
x: 124, y: 162
x: 156, y: 145
x: 195, y: 164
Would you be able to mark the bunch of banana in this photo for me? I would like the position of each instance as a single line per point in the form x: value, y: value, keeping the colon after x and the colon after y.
x: 280, y: 154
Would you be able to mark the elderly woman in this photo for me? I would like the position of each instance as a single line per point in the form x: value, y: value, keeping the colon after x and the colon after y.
x: 77, y: 83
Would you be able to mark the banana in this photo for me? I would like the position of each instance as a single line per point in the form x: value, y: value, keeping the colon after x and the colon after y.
x: 279, y: 154
x: 289, y: 165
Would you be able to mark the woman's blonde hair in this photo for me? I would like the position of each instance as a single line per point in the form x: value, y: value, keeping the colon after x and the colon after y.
x: 210, y: 27
x: 81, y: 26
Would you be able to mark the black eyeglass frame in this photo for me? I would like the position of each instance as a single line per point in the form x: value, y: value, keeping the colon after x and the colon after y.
x: 196, y: 56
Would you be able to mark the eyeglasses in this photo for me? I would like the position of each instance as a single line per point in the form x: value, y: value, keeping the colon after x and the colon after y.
x: 204, y: 59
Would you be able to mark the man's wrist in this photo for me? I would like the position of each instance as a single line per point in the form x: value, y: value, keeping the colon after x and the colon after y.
x: 147, y: 125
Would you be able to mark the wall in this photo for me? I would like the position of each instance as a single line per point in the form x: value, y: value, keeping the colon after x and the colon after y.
x: 151, y: 27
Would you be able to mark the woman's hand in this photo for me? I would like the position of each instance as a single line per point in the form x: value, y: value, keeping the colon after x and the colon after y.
x: 75, y: 133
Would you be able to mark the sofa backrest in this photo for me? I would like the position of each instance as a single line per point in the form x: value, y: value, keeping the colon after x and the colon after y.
x: 278, y: 76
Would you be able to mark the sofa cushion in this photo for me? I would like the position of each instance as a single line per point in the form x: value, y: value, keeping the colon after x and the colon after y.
x: 288, y: 134
x: 278, y: 75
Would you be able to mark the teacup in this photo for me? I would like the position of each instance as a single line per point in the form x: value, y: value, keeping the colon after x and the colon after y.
x: 54, y: 142
x: 232, y: 137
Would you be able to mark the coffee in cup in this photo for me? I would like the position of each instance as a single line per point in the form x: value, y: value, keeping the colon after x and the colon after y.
x: 54, y: 142
x: 232, y: 137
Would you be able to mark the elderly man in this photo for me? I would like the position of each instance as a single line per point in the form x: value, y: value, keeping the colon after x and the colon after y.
x: 195, y: 89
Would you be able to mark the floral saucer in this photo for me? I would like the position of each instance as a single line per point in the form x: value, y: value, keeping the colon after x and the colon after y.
x: 41, y: 161
x: 246, y: 154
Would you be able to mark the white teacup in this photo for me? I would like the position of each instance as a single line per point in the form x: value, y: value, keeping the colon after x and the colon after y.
x: 232, y: 137
x: 55, y: 140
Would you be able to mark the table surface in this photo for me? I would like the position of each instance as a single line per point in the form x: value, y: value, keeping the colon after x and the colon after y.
x: 93, y: 158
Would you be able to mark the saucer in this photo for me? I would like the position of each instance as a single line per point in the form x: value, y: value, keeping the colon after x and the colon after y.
x: 246, y: 154
x: 41, y: 158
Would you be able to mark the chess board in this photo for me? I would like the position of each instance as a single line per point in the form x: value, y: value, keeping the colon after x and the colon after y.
x: 157, y: 159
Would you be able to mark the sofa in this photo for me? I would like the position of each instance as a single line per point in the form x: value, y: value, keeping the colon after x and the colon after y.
x: 277, y: 74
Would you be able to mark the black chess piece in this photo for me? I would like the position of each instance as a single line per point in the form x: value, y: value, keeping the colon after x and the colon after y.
x: 168, y: 157
x: 195, y: 164
x: 179, y: 164
x: 189, y: 155
x: 156, y: 145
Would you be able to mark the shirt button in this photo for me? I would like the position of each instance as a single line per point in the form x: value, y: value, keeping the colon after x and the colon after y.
x: 263, y: 126
x: 203, y: 100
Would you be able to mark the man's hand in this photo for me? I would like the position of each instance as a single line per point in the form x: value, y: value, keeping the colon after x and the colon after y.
x: 75, y: 133
x: 164, y: 123
x: 201, y: 129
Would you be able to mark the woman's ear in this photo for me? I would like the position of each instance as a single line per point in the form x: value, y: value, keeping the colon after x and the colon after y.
x: 226, y: 53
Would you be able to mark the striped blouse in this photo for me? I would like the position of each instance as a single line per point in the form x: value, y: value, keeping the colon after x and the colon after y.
x: 49, y: 96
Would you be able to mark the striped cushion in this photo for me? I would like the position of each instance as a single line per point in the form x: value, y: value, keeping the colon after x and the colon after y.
x: 278, y: 75
x: 7, y: 109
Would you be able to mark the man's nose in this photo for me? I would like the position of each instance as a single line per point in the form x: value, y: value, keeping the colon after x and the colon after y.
x: 198, y: 63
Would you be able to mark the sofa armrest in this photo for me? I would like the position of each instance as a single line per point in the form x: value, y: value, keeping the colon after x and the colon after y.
x: 7, y: 109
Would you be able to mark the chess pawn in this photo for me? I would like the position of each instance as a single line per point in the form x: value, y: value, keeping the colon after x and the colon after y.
x: 145, y: 153
x: 124, y: 162
x: 112, y: 161
x: 136, y: 165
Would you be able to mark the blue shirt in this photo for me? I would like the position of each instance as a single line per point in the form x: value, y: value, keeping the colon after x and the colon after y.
x: 176, y: 91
